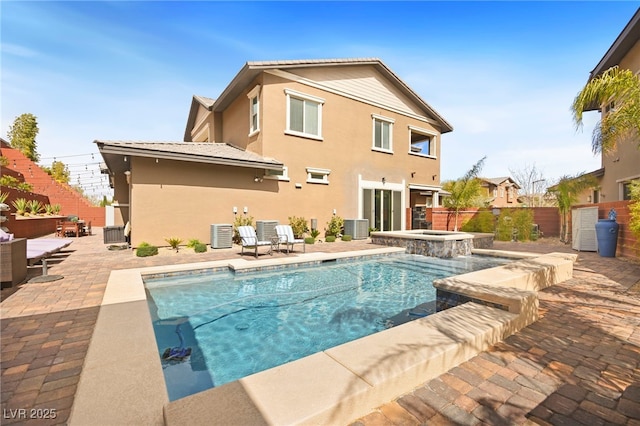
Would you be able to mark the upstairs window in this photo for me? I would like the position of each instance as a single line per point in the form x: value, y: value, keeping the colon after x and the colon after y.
x: 422, y: 142
x: 382, y: 133
x: 304, y: 115
x: 254, y: 110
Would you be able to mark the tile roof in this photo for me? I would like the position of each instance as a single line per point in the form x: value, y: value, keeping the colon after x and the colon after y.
x: 216, y: 153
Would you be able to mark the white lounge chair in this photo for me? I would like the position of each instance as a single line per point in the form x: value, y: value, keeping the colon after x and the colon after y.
x: 286, y: 237
x: 249, y: 239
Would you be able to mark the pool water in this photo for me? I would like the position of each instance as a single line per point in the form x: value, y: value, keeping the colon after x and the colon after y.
x: 237, y: 325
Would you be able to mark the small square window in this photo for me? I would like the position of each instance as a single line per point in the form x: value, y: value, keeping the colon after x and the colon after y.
x: 277, y: 174
x: 318, y: 175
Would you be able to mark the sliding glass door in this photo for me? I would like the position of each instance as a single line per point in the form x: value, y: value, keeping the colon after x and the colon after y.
x: 383, y: 208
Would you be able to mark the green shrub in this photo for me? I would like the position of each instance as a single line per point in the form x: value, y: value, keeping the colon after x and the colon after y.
x: 347, y: 238
x: 334, y: 226
x: 21, y: 206
x: 314, y: 233
x: 518, y: 221
x: 330, y: 238
x: 146, y: 250
x: 144, y: 244
x: 240, y: 221
x: 174, y: 242
x: 34, y: 206
x: 523, y: 221
x: 309, y: 240
x: 200, y: 248
x: 298, y: 225
x: 483, y: 221
x: 192, y: 243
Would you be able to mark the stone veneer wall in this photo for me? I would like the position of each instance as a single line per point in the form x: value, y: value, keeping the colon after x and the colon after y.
x: 446, y: 248
x: 435, y: 248
x: 482, y: 241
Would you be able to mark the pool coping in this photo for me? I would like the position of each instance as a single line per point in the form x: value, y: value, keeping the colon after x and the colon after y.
x: 333, y: 386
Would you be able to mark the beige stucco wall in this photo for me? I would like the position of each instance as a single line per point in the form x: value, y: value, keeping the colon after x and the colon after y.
x: 624, y: 162
x: 189, y: 197
x: 203, y: 126
x: 181, y: 199
x: 347, y: 131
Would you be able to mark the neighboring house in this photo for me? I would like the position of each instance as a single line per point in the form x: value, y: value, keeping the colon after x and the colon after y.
x: 312, y: 138
x: 622, y: 165
x: 500, y: 192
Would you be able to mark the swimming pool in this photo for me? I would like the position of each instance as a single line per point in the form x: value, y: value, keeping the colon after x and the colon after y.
x: 240, y: 324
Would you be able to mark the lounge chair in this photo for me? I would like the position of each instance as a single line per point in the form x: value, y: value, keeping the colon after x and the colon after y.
x: 39, y: 249
x: 249, y: 239
x: 286, y: 237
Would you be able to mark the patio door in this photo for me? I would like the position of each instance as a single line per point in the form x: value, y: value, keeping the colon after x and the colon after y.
x: 383, y: 208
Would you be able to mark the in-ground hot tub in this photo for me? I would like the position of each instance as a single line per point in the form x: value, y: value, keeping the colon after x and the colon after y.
x: 431, y: 243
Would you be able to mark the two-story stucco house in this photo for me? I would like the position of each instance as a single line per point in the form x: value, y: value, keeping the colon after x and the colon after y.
x: 500, y: 191
x: 622, y: 165
x: 310, y: 138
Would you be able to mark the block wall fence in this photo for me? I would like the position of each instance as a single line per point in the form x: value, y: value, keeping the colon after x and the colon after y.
x: 548, y: 220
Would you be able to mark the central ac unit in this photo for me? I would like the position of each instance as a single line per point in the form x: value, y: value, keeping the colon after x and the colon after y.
x: 266, y: 229
x: 357, y: 228
x: 221, y: 235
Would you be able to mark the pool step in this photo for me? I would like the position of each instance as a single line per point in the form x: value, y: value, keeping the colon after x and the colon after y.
x: 348, y: 381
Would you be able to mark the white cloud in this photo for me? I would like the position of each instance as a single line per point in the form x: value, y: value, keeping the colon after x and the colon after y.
x: 17, y: 50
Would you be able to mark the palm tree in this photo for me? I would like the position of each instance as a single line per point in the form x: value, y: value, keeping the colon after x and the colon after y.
x: 464, y: 191
x: 566, y: 192
x: 619, y: 90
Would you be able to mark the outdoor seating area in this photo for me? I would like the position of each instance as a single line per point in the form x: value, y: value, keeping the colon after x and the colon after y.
x: 39, y: 250
x: 18, y: 253
x: 282, y: 235
x: 286, y: 237
x: 249, y: 240
x: 73, y: 227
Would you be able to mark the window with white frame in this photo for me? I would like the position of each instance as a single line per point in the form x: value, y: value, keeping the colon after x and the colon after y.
x: 254, y: 110
x: 277, y: 174
x: 304, y: 115
x: 422, y: 142
x: 382, y: 133
x: 315, y: 175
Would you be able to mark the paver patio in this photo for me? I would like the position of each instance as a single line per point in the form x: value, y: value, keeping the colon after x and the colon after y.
x: 579, y: 364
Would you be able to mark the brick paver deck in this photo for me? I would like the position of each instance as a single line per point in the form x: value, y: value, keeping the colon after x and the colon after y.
x: 579, y: 364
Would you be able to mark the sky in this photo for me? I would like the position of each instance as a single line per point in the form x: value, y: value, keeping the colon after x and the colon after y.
x: 503, y: 74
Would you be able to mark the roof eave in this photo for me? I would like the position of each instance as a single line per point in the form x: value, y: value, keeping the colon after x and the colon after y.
x: 251, y: 69
x: 149, y: 153
x: 623, y: 43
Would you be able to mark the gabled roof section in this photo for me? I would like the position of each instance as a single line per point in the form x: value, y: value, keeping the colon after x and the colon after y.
x: 207, y: 152
x: 196, y: 102
x: 620, y: 47
x: 251, y: 69
x: 499, y: 180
